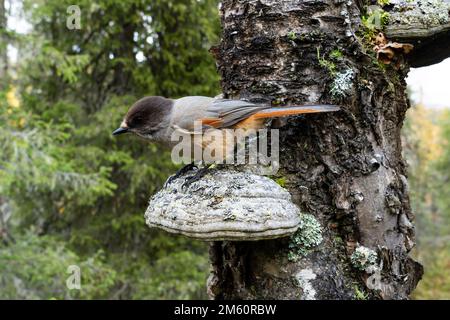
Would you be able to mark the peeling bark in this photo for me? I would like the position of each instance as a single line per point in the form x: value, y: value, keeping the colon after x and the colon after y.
x: 344, y: 168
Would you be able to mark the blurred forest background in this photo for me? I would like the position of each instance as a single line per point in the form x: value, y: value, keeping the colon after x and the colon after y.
x: 70, y: 193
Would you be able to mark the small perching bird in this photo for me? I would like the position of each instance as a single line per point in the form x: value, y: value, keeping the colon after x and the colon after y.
x: 164, y: 120
x: 157, y: 118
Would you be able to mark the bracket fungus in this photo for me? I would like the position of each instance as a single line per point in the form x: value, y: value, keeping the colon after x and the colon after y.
x: 388, y: 51
x: 224, y: 205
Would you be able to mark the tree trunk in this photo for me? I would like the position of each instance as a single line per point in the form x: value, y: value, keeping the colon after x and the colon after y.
x: 345, y: 169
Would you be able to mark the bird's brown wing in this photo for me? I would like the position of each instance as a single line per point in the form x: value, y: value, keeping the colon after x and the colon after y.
x: 242, y: 114
x: 224, y: 113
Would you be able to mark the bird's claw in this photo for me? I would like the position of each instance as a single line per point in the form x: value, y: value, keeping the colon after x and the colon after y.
x: 196, y: 177
x: 180, y: 172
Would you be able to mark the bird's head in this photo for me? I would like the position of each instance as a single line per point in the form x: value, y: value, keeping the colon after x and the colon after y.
x: 147, y: 117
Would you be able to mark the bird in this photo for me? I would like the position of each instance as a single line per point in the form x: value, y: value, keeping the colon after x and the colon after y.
x: 156, y: 118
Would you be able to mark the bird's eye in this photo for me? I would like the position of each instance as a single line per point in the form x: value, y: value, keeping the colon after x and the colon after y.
x: 137, y: 121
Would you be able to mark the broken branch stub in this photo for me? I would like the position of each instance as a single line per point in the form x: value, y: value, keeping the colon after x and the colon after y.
x: 224, y: 205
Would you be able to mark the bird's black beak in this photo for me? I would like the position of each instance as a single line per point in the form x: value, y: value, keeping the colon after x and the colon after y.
x: 120, y: 131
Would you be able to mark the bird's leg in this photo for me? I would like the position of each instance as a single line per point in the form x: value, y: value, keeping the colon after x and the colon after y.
x: 198, y: 175
x: 180, y: 172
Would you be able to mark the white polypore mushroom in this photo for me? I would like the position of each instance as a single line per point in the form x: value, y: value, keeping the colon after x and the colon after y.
x: 224, y: 205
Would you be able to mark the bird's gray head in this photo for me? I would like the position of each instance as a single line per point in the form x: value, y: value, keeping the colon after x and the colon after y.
x: 147, y: 117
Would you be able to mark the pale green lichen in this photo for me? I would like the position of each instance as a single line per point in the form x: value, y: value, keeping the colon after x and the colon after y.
x: 363, y: 258
x: 307, y: 236
x: 342, y: 84
x: 343, y: 80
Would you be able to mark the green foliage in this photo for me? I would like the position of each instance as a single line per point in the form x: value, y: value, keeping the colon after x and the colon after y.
x: 327, y: 64
x: 336, y: 54
x: 34, y: 158
x: 36, y: 267
x: 426, y: 137
x: 281, y: 181
x: 180, y: 274
x: 436, y: 281
x: 443, y: 167
x: 360, y: 294
x: 383, y: 2
x: 64, y: 174
x: 292, y: 35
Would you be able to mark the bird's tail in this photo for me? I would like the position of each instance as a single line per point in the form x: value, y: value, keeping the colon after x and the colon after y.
x: 293, y: 110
